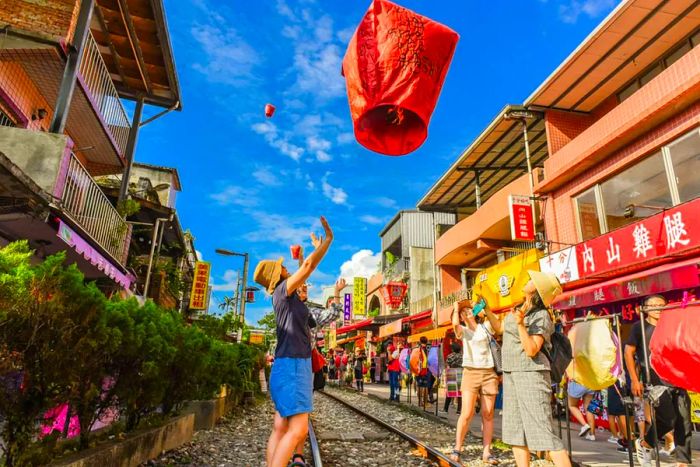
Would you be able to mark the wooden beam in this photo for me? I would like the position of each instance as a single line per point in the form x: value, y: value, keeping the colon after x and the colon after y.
x: 110, y: 44
x: 134, y: 43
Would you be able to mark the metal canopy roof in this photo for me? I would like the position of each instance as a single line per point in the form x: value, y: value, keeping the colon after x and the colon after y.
x: 497, y: 155
x: 630, y: 40
x: 135, y: 45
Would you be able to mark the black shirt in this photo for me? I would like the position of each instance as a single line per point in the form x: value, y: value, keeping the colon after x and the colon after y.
x: 635, y: 339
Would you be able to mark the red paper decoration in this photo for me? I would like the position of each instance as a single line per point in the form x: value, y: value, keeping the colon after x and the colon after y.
x: 393, y: 293
x: 394, y: 69
x: 269, y: 110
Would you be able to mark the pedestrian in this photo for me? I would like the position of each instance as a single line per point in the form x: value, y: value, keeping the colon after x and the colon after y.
x: 617, y: 417
x: 527, y: 385
x: 454, y: 360
x: 372, y: 368
x: 479, y: 378
x: 343, y: 367
x: 671, y: 405
x: 360, y: 360
x: 291, y: 382
x: 332, y: 371
x: 419, y: 368
x: 577, y: 393
x: 394, y: 369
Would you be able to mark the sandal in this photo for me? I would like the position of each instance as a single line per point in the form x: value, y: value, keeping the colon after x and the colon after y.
x: 490, y: 460
x: 456, y: 455
x: 296, y: 462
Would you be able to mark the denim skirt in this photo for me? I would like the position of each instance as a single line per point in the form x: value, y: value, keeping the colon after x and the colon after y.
x: 291, y: 386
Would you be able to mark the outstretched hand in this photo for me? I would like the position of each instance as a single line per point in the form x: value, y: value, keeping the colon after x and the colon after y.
x: 317, y: 241
x: 340, y: 285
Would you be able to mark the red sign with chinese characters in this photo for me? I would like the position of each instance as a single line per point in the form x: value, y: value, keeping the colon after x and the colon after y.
x: 522, y: 225
x: 393, y: 293
x: 673, y: 232
x: 200, y: 286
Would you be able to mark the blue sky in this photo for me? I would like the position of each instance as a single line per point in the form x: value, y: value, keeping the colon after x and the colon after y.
x: 258, y: 185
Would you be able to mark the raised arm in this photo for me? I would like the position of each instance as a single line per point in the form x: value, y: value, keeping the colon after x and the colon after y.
x: 637, y: 387
x: 456, y: 326
x: 496, y: 323
x: 311, y: 263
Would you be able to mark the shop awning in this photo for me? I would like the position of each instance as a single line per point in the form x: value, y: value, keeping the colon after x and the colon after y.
x: 674, y: 276
x: 354, y: 326
x: 395, y: 326
x: 349, y: 339
x: 431, y: 335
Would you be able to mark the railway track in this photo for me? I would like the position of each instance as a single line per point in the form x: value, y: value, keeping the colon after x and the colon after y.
x: 420, y: 447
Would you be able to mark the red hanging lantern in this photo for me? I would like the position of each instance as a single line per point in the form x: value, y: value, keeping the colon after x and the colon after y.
x: 393, y: 293
x: 269, y: 110
x: 394, y: 69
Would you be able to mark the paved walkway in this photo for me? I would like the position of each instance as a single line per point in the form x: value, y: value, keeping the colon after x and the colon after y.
x: 599, y: 453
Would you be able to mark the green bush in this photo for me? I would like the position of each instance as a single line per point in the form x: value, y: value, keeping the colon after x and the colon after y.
x: 62, y: 341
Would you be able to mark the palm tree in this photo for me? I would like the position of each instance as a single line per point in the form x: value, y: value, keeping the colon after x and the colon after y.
x: 229, y: 304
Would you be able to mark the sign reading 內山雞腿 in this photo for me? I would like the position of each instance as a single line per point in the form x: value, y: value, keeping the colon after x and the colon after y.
x: 522, y: 225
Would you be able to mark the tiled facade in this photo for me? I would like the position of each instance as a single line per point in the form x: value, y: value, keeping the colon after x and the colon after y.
x: 53, y: 17
x: 667, y: 107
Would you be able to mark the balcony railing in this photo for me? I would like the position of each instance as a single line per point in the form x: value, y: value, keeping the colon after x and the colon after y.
x: 103, y: 93
x: 89, y: 206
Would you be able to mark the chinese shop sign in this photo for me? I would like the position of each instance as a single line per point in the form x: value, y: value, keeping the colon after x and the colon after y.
x: 522, y: 227
x: 394, y: 293
x: 200, y: 285
x: 671, y: 232
x: 563, y: 264
x: 347, y: 307
x: 502, y: 285
x: 359, y: 295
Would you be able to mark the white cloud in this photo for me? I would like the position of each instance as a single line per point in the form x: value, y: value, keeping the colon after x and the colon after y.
x: 281, y: 229
x: 346, y: 34
x: 363, y: 263
x: 318, y: 69
x: 228, y: 283
x: 335, y: 194
x: 345, y: 138
x: 386, y: 202
x: 227, y: 57
x: 323, y: 156
x: 265, y: 176
x: 269, y: 131
x: 370, y: 219
x: 236, y: 196
x: 570, y: 12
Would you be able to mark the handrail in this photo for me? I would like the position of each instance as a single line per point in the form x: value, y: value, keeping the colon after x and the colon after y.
x: 89, y: 206
x: 104, y: 94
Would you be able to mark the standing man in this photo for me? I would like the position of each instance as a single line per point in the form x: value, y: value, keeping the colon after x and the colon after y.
x: 672, y: 408
x: 454, y: 360
x: 394, y: 368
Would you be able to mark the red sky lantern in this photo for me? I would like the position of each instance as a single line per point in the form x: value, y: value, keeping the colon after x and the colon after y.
x: 269, y: 110
x: 394, y: 69
x: 393, y: 293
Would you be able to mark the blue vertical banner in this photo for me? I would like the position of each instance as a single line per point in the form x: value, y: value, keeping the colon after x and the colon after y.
x: 347, y: 307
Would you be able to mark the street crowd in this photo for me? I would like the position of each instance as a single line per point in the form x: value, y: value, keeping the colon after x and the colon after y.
x: 522, y: 358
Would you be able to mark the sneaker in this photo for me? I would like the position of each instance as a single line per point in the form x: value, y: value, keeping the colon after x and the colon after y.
x: 584, y: 429
x: 613, y: 440
x: 621, y: 449
x: 590, y: 437
x: 643, y: 454
x: 668, y: 452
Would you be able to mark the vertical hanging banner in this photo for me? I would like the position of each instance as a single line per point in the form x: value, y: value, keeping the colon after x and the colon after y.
x: 200, y: 286
x: 359, y: 296
x: 332, y: 337
x: 522, y: 225
x: 347, y: 307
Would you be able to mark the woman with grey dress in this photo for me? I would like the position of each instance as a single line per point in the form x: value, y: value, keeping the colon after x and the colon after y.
x: 527, y: 386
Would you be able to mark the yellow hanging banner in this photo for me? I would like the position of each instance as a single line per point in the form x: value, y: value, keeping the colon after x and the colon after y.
x: 501, y: 285
x: 694, y: 407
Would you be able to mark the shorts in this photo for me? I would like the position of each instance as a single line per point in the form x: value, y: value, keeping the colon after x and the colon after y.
x: 291, y: 386
x: 423, y: 381
x: 615, y: 406
x: 577, y: 391
x: 482, y: 381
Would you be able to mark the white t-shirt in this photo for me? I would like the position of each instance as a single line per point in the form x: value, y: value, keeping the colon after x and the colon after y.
x: 475, y: 347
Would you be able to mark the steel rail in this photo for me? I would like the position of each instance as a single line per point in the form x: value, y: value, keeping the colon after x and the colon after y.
x: 423, y: 448
x: 313, y: 444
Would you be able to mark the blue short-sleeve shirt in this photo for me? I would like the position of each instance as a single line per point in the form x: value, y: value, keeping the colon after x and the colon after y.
x: 292, y: 317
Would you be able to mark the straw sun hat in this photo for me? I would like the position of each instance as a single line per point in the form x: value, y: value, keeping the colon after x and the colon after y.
x: 267, y: 273
x: 547, y: 286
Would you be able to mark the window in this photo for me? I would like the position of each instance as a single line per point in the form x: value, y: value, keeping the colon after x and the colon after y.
x: 679, y: 52
x: 638, y: 192
x: 662, y: 180
x: 685, y: 158
x: 5, y: 119
x: 587, y: 214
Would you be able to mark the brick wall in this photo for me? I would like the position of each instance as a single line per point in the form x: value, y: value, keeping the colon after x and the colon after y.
x: 560, y: 218
x: 562, y: 127
x: 24, y: 96
x: 53, y: 17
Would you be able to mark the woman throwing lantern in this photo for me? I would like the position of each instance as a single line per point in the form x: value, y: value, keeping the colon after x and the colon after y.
x: 527, y: 386
x: 291, y: 376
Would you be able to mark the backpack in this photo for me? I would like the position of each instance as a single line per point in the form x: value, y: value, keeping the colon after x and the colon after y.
x: 559, y: 355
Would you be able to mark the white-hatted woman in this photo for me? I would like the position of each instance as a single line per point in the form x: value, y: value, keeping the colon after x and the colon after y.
x: 527, y: 386
x: 479, y: 378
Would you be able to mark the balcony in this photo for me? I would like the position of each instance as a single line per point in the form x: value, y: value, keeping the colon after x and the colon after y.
x: 30, y: 77
x: 45, y: 163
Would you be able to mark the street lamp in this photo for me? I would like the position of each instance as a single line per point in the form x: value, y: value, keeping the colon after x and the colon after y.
x: 241, y: 292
